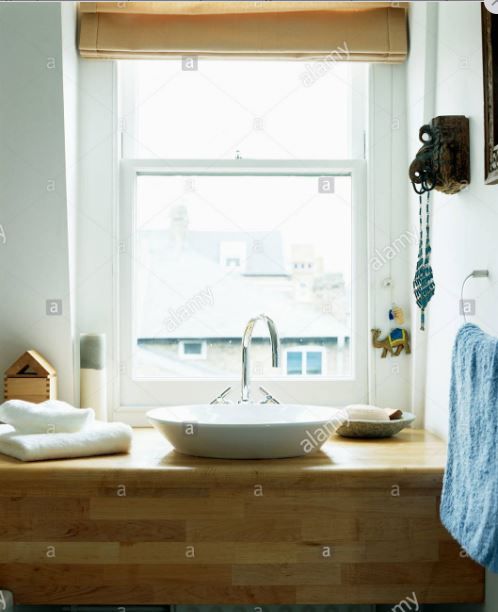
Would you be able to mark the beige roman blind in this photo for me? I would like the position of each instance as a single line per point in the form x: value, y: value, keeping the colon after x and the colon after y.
x: 351, y: 31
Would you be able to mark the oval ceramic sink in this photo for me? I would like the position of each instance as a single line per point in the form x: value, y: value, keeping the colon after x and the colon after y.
x: 246, y: 431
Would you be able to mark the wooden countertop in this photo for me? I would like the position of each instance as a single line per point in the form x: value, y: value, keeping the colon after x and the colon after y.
x: 355, y: 523
x: 412, y: 452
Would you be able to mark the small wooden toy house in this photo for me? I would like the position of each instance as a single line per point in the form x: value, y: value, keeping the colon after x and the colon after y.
x: 30, y: 378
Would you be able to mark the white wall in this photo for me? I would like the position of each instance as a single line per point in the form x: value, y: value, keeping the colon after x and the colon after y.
x: 34, y: 264
x: 97, y: 223
x: 447, y: 79
x: 465, y: 226
x: 70, y: 82
x: 420, y: 78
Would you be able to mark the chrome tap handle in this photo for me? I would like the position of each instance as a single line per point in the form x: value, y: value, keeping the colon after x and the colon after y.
x: 268, y: 399
x: 221, y: 398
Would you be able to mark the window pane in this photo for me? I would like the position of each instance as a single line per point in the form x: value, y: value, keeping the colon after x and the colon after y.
x: 313, y: 362
x: 294, y: 362
x: 213, y: 251
x: 262, y: 109
x: 192, y: 348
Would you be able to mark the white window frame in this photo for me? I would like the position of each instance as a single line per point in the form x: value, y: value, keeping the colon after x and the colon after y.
x: 304, y: 350
x: 100, y: 148
x: 183, y: 355
x: 137, y: 396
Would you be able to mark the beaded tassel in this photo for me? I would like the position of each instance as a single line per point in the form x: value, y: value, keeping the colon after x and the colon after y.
x: 423, y: 282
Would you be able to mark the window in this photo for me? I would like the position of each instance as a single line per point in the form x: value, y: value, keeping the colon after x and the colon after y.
x: 229, y: 207
x: 314, y: 362
x: 203, y: 268
x: 230, y: 108
x: 192, y: 349
x: 232, y: 254
x: 232, y: 262
x: 305, y: 362
x: 295, y: 362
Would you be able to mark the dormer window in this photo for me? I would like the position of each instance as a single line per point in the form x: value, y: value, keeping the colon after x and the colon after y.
x: 232, y: 262
x: 232, y: 254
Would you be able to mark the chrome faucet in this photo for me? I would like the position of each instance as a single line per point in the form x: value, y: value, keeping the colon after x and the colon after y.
x: 246, y: 343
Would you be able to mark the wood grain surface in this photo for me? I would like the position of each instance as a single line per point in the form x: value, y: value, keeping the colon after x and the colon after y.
x: 356, y: 523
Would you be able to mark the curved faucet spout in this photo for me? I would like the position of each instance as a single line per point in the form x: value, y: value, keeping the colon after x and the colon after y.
x: 246, y: 343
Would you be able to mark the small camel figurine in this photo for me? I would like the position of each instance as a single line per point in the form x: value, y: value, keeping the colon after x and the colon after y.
x: 397, y: 340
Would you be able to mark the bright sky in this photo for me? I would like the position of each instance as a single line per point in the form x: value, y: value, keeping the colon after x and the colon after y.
x: 291, y: 205
x: 264, y: 109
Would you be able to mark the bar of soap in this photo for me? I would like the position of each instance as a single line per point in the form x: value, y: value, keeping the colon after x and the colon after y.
x: 366, y: 412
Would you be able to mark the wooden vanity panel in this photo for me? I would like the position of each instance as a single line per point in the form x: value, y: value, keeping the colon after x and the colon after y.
x: 356, y: 523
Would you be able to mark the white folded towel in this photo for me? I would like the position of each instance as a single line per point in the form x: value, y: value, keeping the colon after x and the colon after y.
x: 51, y: 416
x: 97, y: 439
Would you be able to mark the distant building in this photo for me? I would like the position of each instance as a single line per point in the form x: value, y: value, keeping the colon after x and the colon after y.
x: 198, y: 289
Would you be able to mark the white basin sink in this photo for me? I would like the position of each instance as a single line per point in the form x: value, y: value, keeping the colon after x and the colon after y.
x: 246, y: 431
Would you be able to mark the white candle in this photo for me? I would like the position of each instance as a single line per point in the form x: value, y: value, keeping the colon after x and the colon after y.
x: 93, y: 378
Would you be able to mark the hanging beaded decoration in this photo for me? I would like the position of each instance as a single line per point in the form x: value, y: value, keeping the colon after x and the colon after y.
x: 423, y: 282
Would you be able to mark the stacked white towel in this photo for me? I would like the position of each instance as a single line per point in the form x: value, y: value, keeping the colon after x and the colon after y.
x: 51, y: 416
x: 56, y: 430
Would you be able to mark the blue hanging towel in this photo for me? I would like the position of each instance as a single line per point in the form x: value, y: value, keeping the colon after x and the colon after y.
x: 469, y: 506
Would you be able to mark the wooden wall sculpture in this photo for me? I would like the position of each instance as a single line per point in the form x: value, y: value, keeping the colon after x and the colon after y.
x: 443, y: 161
